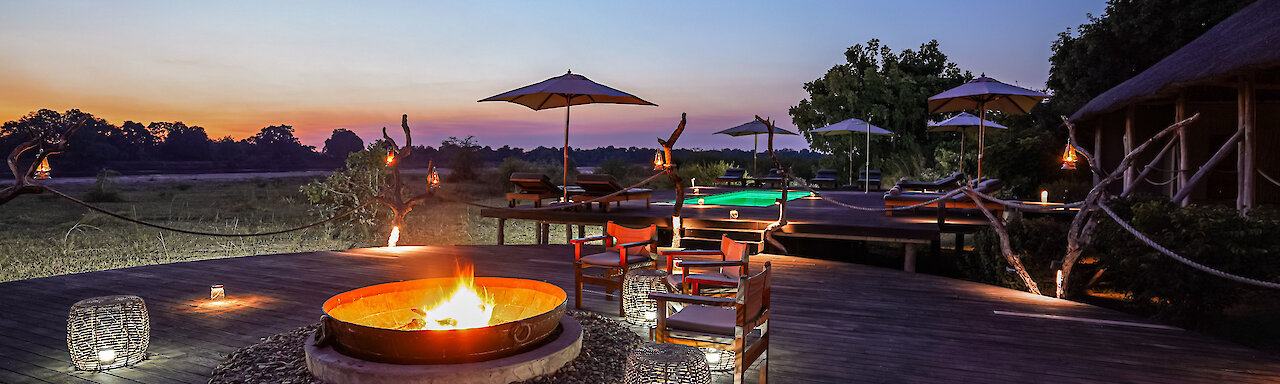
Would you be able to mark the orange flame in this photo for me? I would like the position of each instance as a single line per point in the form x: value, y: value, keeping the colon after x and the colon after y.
x: 465, y: 307
x: 391, y: 158
x: 395, y: 236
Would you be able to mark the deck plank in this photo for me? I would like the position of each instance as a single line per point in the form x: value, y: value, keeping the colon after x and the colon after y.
x: 832, y: 322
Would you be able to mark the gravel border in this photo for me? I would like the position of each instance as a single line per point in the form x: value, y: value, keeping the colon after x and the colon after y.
x: 280, y: 358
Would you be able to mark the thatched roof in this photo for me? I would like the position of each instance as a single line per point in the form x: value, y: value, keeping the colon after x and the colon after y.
x: 1248, y: 40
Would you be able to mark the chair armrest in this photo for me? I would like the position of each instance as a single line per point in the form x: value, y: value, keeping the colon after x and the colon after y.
x: 691, y: 252
x: 587, y: 239
x: 634, y: 244
x: 663, y: 297
x: 711, y: 264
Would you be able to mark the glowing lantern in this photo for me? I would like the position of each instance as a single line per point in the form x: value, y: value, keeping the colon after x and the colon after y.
x: 659, y: 162
x: 1044, y: 197
x: 395, y: 236
x: 44, y: 172
x: 391, y: 158
x: 108, y: 332
x: 733, y: 214
x: 701, y: 201
x: 216, y: 292
x: 1069, y: 158
x: 433, y: 179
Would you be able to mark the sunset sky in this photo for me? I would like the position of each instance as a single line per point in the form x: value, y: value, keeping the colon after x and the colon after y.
x: 235, y: 67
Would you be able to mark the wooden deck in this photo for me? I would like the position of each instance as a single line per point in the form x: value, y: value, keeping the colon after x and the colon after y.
x: 833, y: 322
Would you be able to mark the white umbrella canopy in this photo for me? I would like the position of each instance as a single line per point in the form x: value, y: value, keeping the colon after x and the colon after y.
x: 850, y: 127
x: 963, y: 123
x: 754, y: 128
x: 565, y: 91
x: 983, y: 94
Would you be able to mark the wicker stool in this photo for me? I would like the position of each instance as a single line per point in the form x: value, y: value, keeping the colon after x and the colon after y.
x: 108, y: 332
x: 641, y: 310
x: 718, y: 359
x: 667, y: 363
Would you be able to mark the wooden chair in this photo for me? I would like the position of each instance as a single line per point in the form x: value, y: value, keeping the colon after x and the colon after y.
x: 869, y: 179
x: 773, y: 179
x: 532, y: 186
x: 733, y: 176
x: 733, y: 263
x: 625, y: 249
x: 738, y: 324
x: 826, y: 178
x: 595, y: 186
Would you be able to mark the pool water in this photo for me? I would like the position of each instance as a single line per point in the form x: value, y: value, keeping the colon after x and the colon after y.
x: 747, y: 198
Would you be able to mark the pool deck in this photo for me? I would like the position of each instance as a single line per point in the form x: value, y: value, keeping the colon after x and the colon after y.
x: 832, y: 322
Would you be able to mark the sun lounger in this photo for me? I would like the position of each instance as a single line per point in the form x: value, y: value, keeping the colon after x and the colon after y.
x: 733, y: 175
x: 895, y: 198
x: 826, y: 178
x: 873, y: 183
x: 772, y: 179
x: 595, y: 186
x: 533, y: 186
x: 946, y: 184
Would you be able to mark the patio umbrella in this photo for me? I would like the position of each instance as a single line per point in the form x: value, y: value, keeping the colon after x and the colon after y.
x: 754, y: 128
x: 565, y: 91
x: 849, y: 127
x: 985, y: 93
x: 963, y: 123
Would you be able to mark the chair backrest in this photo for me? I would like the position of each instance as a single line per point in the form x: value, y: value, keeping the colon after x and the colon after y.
x: 623, y: 235
x: 875, y: 175
x: 734, y: 172
x: 989, y: 186
x: 826, y: 174
x: 733, y: 250
x: 952, y: 179
x: 533, y: 182
x: 598, y: 184
x: 753, y: 295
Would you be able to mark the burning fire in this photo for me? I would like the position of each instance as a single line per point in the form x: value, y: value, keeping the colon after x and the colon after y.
x: 465, y: 307
x: 395, y: 237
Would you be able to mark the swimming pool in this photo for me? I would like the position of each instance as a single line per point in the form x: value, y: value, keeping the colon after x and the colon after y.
x: 747, y: 198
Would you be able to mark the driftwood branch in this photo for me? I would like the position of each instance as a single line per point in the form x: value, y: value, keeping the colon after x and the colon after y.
x: 782, y: 203
x: 1208, y: 165
x: 1006, y: 249
x: 48, y: 142
x: 676, y: 222
x: 393, y: 195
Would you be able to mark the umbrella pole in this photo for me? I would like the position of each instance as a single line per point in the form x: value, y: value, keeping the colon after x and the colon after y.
x: 867, y: 186
x: 565, y: 180
x: 755, y: 150
x: 962, y: 140
x: 982, y: 133
x: 850, y: 185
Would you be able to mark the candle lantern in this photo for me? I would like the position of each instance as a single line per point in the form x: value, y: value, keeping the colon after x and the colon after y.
x: 433, y: 179
x: 108, y: 332
x: 1044, y: 197
x: 1069, y: 158
x: 733, y: 214
x: 43, y: 171
x: 701, y: 201
x: 659, y: 161
x: 216, y: 292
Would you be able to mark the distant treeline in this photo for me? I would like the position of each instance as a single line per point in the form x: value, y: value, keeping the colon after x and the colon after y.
x: 174, y: 147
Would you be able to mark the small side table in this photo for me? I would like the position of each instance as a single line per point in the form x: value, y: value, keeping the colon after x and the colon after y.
x: 641, y: 310
x: 667, y: 363
x: 108, y: 332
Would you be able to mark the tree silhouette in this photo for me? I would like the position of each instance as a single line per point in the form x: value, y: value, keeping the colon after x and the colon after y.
x: 341, y: 143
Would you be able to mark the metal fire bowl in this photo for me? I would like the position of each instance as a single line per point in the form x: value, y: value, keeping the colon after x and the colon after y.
x: 362, y: 323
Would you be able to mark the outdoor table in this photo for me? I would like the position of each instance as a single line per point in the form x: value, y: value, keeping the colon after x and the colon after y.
x: 667, y: 363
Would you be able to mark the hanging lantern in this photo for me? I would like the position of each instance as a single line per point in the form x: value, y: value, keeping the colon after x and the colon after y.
x: 391, y: 158
x: 433, y: 179
x: 1069, y: 158
x: 43, y: 171
x: 659, y: 161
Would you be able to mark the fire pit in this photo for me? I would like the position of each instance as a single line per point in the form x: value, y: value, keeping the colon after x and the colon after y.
x: 492, y: 323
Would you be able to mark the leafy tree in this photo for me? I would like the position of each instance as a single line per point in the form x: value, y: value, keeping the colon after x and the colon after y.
x: 349, y: 187
x: 1128, y: 38
x: 888, y: 89
x: 277, y: 142
x: 341, y: 143
x: 182, y: 142
x: 137, y: 138
x: 461, y: 154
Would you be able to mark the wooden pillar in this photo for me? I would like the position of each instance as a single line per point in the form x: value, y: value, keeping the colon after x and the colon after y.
x: 502, y: 225
x: 1129, y: 113
x: 1097, y: 150
x: 1184, y: 152
x: 909, y: 260
x: 1246, y: 103
x: 568, y: 232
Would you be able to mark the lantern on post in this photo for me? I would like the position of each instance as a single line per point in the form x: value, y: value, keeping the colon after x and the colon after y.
x: 1069, y: 158
x: 44, y: 172
x: 433, y: 179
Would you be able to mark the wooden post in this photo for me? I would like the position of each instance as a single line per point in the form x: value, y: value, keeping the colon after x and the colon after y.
x: 909, y: 260
x: 502, y: 225
x: 568, y: 233
x: 1246, y: 100
x: 1129, y: 113
x: 1184, y: 153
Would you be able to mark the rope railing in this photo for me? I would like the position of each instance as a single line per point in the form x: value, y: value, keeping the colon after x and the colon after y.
x: 555, y: 206
x: 1268, y: 177
x: 806, y: 187
x: 1133, y: 231
x: 192, y: 232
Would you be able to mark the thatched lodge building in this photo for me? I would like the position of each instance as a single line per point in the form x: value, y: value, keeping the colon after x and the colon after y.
x: 1231, y: 77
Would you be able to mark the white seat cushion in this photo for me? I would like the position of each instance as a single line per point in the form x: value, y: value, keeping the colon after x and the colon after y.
x: 610, y: 259
x: 704, y: 319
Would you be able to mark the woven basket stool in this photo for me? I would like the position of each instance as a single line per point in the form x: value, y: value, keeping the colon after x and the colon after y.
x: 108, y: 332
x: 667, y: 363
x: 641, y: 310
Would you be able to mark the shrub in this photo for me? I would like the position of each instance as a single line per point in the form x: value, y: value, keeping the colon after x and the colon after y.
x: 104, y: 188
x: 1217, y: 237
x: 347, y: 188
x: 705, y: 172
x: 514, y: 164
x: 626, y: 172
